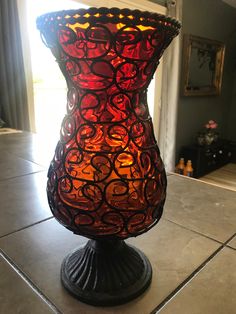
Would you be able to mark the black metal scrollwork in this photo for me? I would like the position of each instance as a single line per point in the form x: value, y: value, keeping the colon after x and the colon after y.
x: 107, y: 177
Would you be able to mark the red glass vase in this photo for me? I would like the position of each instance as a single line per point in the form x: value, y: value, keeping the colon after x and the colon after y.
x: 107, y: 180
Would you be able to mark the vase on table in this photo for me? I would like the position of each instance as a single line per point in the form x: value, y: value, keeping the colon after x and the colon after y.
x: 106, y: 180
x: 207, y: 138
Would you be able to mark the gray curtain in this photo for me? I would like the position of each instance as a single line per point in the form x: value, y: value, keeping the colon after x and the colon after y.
x: 13, y: 94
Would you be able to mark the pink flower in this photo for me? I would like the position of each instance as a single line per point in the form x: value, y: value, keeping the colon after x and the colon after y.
x: 211, y: 124
x: 214, y: 125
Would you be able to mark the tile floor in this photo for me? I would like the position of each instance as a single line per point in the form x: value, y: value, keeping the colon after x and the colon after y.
x: 192, y: 250
x: 224, y: 177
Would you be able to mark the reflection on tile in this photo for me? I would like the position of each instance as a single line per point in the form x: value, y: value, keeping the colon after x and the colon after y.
x: 12, y: 166
x: 16, y: 296
x: 15, y: 139
x: 232, y: 243
x: 31, y: 147
x: 204, y: 208
x: 212, y: 291
x: 23, y: 202
x: 173, y: 251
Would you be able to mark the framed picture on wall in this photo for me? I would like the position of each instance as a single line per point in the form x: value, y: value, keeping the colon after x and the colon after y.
x: 203, y: 61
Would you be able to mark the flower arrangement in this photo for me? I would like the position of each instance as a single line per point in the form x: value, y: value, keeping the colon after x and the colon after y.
x: 209, y: 135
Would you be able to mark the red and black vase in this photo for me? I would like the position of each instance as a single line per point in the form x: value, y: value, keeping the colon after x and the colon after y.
x: 106, y: 180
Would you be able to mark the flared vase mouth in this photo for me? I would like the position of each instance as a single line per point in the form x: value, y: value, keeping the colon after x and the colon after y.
x: 105, y: 15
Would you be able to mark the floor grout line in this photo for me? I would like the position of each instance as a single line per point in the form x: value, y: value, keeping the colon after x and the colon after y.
x: 32, y: 161
x: 191, y: 276
x: 186, y: 228
x: 23, y: 175
x: 231, y: 238
x: 29, y: 282
x: 26, y: 227
x: 23, y: 158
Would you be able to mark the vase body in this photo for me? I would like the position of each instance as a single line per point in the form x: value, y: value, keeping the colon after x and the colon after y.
x: 207, y: 138
x: 107, y: 178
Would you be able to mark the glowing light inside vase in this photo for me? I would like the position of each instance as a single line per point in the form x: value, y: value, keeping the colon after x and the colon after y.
x: 107, y: 177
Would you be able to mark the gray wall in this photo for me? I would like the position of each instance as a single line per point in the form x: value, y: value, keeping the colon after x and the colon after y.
x: 215, y: 20
x: 231, y: 127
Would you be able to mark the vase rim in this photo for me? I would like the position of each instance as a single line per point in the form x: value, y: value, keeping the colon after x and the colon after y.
x: 108, y: 15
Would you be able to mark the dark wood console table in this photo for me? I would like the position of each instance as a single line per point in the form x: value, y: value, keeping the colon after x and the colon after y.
x: 207, y: 158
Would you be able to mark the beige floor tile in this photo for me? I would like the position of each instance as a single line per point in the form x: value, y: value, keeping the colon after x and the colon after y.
x: 212, y: 291
x: 16, y: 296
x: 31, y: 147
x: 12, y: 166
x: 201, y: 207
x: 173, y: 251
x: 23, y: 202
x: 232, y: 243
x: 224, y: 177
x: 10, y: 140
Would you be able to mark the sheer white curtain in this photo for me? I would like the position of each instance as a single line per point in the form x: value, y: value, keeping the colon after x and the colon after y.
x: 21, y: 6
x: 170, y: 92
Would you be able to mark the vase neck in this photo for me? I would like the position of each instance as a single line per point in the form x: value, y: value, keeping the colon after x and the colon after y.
x: 111, y: 105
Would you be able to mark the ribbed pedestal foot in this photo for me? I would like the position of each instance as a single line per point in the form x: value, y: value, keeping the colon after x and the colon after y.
x: 106, y: 272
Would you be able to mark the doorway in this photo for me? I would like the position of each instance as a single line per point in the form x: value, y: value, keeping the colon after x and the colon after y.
x: 49, y: 85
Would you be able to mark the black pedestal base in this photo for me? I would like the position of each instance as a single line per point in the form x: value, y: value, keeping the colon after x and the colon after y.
x: 106, y: 272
